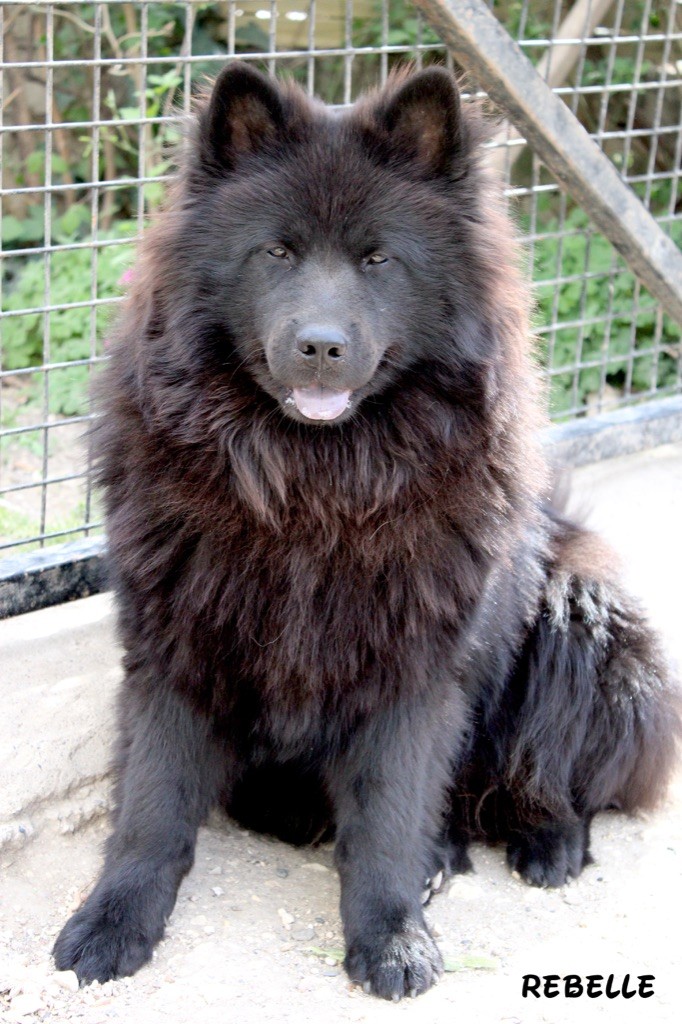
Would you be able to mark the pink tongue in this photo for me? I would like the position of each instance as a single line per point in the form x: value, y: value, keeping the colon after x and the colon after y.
x: 321, y: 403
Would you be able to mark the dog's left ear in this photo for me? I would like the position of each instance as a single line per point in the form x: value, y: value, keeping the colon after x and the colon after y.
x: 423, y: 120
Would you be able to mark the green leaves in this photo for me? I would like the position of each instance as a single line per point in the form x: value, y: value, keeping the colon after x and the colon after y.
x: 74, y: 333
x: 605, y: 324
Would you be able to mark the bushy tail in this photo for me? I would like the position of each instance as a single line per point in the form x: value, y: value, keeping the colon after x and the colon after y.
x: 598, y: 715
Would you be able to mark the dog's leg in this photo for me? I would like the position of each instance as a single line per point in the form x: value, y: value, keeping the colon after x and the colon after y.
x: 388, y: 790
x: 169, y: 777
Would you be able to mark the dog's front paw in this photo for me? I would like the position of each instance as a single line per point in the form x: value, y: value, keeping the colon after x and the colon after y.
x: 104, y: 939
x: 406, y: 962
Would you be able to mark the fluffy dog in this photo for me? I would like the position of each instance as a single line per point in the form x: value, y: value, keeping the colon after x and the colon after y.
x: 346, y: 602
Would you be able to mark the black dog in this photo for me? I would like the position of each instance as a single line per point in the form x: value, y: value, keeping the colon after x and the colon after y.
x: 345, y: 601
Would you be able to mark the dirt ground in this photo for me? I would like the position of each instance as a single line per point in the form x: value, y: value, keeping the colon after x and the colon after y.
x: 255, y: 936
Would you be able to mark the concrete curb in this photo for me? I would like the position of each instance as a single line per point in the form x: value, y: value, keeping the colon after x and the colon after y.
x: 60, y: 674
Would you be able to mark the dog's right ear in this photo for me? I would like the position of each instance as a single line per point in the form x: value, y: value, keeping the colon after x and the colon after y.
x: 244, y: 116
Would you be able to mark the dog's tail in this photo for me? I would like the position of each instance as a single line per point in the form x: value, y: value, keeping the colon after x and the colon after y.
x: 598, y: 722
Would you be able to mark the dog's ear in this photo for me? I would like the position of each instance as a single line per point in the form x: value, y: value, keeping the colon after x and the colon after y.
x: 244, y: 116
x: 423, y: 122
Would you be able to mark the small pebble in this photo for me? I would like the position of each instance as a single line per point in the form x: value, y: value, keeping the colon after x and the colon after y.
x: 67, y: 980
x: 303, y: 932
x: 217, y: 891
x: 285, y: 917
x: 29, y: 1002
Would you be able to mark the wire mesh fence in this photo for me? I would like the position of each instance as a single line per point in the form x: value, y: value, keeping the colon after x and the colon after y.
x: 93, y: 96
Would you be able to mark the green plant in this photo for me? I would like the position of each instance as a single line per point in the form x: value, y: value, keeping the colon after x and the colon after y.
x: 16, y: 523
x: 614, y: 331
x: 72, y: 333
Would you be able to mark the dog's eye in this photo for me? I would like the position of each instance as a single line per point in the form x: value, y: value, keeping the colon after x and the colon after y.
x: 279, y: 252
x: 376, y: 259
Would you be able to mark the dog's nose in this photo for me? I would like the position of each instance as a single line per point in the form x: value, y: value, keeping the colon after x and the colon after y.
x: 321, y: 345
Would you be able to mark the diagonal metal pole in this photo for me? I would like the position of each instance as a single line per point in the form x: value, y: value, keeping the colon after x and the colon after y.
x: 481, y: 45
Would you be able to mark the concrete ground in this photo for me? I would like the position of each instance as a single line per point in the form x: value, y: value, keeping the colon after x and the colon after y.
x: 255, y: 936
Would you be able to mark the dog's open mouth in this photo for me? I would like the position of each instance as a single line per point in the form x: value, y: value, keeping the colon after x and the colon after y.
x: 318, y: 402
